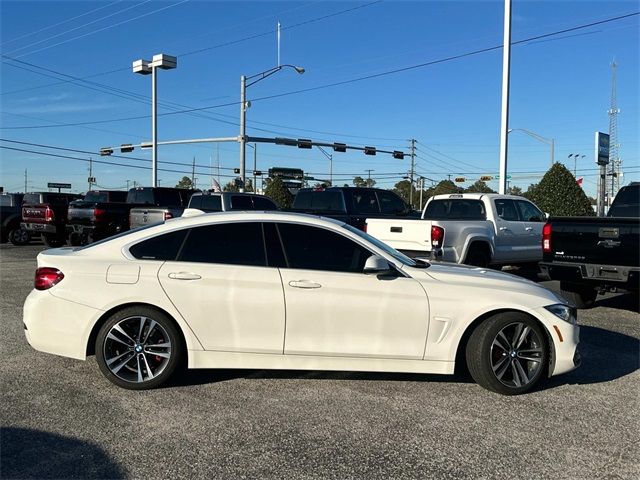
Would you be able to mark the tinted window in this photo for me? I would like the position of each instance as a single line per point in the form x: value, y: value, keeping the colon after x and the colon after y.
x: 364, y: 201
x: 5, y: 200
x: 118, y: 197
x: 455, y: 209
x: 506, y: 210
x: 185, y: 196
x: 168, y: 198
x: 229, y: 243
x: 263, y: 203
x: 142, y: 195
x: 626, y: 203
x: 314, y: 248
x: 241, y: 202
x: 391, y: 203
x: 529, y: 212
x: 275, y: 255
x: 162, y: 247
x: 322, y: 200
x: 210, y: 203
x: 56, y: 200
x: 31, y: 198
x: 97, y: 197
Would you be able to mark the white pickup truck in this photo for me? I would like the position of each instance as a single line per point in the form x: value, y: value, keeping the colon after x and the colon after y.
x: 473, y: 228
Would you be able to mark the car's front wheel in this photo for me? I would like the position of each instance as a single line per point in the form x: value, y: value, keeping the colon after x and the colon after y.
x: 507, y: 353
x: 138, y: 348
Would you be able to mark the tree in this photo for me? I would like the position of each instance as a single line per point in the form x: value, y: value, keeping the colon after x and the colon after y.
x: 402, y: 188
x: 514, y: 191
x: 232, y: 187
x: 185, y: 182
x: 558, y: 194
x: 479, y: 187
x: 277, y: 191
x: 446, y: 187
x: 361, y: 182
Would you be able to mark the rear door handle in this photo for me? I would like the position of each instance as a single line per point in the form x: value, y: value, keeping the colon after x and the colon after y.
x: 304, y: 284
x: 528, y: 229
x: 184, y: 276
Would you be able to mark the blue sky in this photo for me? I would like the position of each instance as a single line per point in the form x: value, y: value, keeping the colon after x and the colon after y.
x: 560, y: 86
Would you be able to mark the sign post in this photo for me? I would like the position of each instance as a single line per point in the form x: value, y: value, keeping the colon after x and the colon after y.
x: 601, y: 155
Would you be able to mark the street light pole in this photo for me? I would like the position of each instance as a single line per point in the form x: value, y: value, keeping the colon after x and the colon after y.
x: 549, y: 141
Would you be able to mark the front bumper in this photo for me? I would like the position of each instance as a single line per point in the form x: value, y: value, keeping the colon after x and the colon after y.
x: 58, y: 326
x: 565, y: 338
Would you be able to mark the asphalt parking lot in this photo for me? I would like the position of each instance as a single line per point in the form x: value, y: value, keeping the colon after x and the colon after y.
x: 61, y: 419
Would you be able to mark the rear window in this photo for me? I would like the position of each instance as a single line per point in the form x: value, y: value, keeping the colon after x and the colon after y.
x: 143, y: 195
x: 241, y: 202
x: 323, y: 200
x: 626, y: 203
x: 5, y: 201
x: 31, y: 198
x: 455, y: 209
x: 162, y: 247
x: 263, y: 203
x: 168, y: 198
x: 206, y: 203
x: 96, y: 197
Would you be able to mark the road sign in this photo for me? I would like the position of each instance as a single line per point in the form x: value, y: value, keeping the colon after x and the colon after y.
x: 90, y: 180
x: 58, y: 185
x: 602, y: 148
x: 286, y: 173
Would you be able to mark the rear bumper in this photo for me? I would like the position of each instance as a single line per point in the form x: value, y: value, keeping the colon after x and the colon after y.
x: 39, y: 227
x: 58, y: 326
x: 618, y: 276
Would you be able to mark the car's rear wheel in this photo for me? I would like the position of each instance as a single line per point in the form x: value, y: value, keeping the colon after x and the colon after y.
x: 138, y: 348
x: 507, y: 353
x: 19, y: 236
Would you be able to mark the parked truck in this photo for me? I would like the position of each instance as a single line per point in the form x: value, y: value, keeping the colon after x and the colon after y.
x: 472, y: 228
x: 591, y: 255
x: 211, y: 201
x: 156, y: 204
x: 100, y: 214
x: 46, y: 213
x: 10, y: 219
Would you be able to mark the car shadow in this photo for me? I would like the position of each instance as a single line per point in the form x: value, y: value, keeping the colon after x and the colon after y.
x: 28, y: 453
x: 627, y: 302
x: 606, y: 356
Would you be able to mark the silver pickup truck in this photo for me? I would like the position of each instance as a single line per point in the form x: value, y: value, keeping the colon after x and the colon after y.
x: 473, y: 228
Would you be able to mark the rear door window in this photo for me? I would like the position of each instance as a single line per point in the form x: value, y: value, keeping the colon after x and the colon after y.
x: 391, y: 203
x: 506, y: 210
x: 529, y: 212
x: 227, y: 243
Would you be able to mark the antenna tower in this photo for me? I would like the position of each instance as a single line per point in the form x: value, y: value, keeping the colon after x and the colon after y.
x: 615, y: 164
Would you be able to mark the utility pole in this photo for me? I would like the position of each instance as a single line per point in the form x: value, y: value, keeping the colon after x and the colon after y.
x: 369, y: 170
x: 504, y: 124
x: 411, y: 172
x: 421, y: 191
x: 128, y: 185
x: 255, y: 163
x: 218, y: 160
x: 614, y: 161
x: 90, y: 173
x: 193, y: 173
x: 25, y: 180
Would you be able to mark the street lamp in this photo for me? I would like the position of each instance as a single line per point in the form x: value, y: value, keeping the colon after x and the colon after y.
x: 146, y: 67
x: 244, y: 104
x: 548, y: 141
x: 330, y: 157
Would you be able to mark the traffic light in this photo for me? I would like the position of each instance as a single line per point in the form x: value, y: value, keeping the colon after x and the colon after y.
x: 304, y: 143
x: 236, y: 171
x: 398, y: 154
x: 126, y: 148
x: 369, y: 150
x: 339, y: 147
x: 292, y: 142
x: 460, y: 179
x: 106, y: 151
x: 486, y: 178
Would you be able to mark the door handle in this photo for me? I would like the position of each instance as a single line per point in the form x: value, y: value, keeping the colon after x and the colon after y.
x: 184, y: 276
x: 503, y: 229
x: 304, y: 284
x: 528, y: 229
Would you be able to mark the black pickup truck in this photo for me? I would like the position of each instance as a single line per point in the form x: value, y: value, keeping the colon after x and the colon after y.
x: 591, y: 255
x: 352, y: 205
x: 10, y: 218
x: 100, y: 214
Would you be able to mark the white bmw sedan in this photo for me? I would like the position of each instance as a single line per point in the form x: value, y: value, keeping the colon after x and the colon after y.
x: 272, y: 290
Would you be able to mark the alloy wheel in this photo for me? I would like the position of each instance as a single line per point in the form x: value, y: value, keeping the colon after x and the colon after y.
x: 516, y: 355
x: 137, y: 349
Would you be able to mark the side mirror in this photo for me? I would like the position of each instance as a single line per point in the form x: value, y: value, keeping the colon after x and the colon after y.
x: 376, y: 264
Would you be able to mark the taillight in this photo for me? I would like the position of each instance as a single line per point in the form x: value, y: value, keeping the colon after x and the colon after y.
x: 47, y: 277
x: 99, y: 213
x: 546, y: 238
x: 48, y: 214
x: 437, y: 236
x: 168, y: 215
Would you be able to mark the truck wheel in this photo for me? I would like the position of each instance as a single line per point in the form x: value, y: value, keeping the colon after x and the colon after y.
x: 75, y: 240
x: 52, y: 241
x: 19, y: 236
x: 580, y: 296
x: 478, y: 257
x: 507, y: 353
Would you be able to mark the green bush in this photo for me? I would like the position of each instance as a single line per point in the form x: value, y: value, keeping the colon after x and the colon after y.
x: 280, y: 194
x: 558, y: 194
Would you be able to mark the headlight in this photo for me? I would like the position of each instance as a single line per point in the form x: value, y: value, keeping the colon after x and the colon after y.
x: 564, y: 312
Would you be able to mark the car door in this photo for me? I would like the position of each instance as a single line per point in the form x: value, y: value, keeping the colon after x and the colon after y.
x: 511, y: 236
x: 334, y: 309
x: 222, y: 286
x: 533, y: 220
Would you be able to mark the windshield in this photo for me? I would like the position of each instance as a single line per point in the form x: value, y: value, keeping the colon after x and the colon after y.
x: 402, y: 258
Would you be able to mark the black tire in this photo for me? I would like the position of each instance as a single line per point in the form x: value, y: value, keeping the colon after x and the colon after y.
x: 582, y: 297
x: 19, y: 236
x: 131, y: 374
x: 75, y: 239
x: 478, y: 257
x: 506, y: 370
x: 53, y: 241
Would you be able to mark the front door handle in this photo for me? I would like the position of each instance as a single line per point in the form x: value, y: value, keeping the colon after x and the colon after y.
x: 528, y: 229
x: 184, y: 276
x: 504, y: 229
x: 304, y: 284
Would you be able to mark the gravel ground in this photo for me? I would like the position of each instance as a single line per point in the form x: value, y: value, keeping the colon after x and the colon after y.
x: 61, y: 419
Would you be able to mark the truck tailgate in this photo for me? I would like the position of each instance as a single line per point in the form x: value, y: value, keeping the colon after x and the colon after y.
x: 145, y: 216
x: 403, y: 235
x: 606, y: 241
